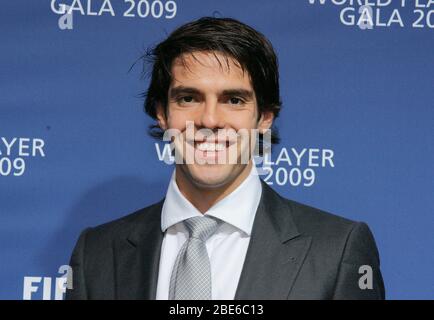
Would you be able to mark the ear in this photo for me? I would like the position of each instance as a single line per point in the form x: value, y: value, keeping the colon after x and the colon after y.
x: 266, y: 121
x: 161, y: 117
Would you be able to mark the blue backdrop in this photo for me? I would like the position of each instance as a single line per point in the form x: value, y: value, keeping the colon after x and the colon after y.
x: 358, y: 98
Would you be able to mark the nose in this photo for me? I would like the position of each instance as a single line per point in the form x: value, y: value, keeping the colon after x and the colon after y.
x: 210, y: 116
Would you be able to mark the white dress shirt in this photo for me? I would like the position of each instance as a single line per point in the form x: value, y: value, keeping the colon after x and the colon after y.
x: 227, y: 247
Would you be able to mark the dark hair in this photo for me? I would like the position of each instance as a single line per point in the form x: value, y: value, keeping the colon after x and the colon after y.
x: 234, y: 39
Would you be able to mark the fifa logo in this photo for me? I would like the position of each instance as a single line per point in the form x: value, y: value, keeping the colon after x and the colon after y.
x: 34, y: 285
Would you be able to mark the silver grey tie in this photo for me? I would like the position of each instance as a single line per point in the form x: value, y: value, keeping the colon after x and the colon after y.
x: 191, y: 275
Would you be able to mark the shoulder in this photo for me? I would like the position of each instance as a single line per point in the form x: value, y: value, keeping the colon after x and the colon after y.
x: 338, y: 247
x: 330, y: 231
x: 323, y: 226
x: 122, y: 227
x: 310, y: 219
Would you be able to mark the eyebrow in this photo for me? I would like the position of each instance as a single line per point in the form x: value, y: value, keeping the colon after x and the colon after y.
x: 244, y: 93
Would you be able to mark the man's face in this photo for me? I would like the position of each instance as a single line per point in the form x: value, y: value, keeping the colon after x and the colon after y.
x: 212, y: 95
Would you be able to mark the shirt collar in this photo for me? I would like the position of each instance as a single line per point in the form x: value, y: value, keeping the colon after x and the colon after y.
x: 237, y: 209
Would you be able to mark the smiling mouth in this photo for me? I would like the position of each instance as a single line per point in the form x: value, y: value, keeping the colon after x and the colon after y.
x: 211, y: 151
x: 210, y: 147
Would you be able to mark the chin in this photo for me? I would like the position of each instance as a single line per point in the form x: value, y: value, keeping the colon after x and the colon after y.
x: 211, y: 176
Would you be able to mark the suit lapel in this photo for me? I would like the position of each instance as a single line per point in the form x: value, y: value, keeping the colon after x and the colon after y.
x: 276, y: 251
x: 275, y: 255
x: 137, y: 257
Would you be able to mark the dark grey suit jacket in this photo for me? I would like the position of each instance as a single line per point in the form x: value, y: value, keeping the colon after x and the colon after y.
x: 295, y: 252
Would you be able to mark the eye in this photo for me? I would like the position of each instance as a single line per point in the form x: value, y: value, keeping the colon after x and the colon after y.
x: 235, y: 100
x: 185, y: 99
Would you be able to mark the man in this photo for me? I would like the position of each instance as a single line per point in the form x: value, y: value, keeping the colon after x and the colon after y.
x: 220, y: 232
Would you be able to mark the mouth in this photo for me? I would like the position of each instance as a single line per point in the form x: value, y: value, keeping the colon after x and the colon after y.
x: 211, y: 150
x: 211, y: 146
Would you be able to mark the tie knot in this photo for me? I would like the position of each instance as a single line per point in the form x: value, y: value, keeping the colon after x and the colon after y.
x: 201, y: 227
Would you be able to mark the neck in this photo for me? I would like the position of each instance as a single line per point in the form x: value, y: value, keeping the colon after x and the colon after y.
x: 204, y: 198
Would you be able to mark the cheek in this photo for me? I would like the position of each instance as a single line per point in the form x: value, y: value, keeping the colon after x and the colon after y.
x: 242, y: 120
x: 236, y: 119
x: 177, y: 120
